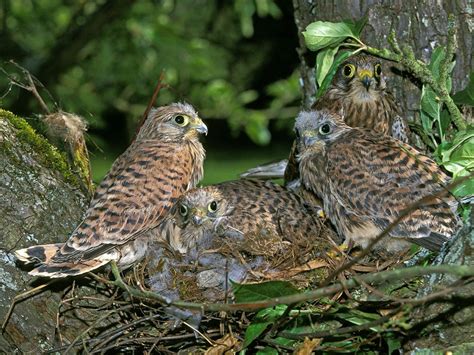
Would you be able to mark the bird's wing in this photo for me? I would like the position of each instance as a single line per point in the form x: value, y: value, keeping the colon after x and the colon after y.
x: 378, y: 177
x: 130, y: 202
x: 274, y: 170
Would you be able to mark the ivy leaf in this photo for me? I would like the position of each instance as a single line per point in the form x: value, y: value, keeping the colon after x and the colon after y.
x: 263, y: 291
x: 341, y: 57
x: 324, y: 60
x: 322, y: 34
x: 466, y: 96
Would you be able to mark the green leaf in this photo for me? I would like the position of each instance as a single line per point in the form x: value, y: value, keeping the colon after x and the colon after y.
x: 262, y: 320
x: 257, y: 128
x: 341, y: 57
x: 321, y: 34
x: 466, y: 96
x: 393, y: 342
x: 458, y: 158
x: 357, y: 26
x: 324, y: 60
x: 267, y: 351
x: 262, y: 291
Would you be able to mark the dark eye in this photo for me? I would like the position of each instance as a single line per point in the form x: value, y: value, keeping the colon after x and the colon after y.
x: 183, y: 210
x: 349, y: 70
x: 212, y: 207
x: 378, y: 70
x: 297, y: 134
x: 325, y: 129
x: 181, y: 120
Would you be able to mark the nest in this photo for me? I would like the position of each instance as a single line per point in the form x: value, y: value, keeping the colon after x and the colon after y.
x: 117, y: 319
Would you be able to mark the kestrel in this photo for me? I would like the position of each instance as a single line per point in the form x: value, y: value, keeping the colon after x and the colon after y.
x: 245, y: 231
x: 367, y: 179
x: 164, y: 161
x: 358, y: 90
x: 261, y: 217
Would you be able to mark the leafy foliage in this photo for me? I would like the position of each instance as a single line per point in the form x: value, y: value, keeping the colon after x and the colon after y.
x: 115, y: 71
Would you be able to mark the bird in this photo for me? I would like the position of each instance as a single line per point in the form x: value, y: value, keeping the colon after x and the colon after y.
x: 243, y: 231
x: 261, y: 217
x: 366, y: 179
x: 359, y: 91
x: 165, y: 160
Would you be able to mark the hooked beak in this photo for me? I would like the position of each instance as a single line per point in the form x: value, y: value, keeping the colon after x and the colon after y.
x: 197, y: 220
x: 365, y: 77
x: 199, y: 126
x: 309, y: 140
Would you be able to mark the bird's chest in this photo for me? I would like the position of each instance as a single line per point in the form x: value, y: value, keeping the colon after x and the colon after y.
x: 367, y: 112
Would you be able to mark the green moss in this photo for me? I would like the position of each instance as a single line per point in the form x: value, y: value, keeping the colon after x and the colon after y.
x: 48, y: 154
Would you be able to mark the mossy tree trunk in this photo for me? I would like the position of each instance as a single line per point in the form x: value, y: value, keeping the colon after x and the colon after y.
x: 422, y: 25
x: 40, y: 202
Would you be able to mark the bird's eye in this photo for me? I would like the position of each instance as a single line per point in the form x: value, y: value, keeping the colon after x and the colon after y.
x: 181, y: 120
x: 349, y: 70
x: 183, y: 210
x: 212, y: 207
x: 297, y: 134
x: 377, y: 70
x: 325, y: 129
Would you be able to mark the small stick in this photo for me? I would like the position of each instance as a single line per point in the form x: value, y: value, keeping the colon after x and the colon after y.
x: 21, y: 297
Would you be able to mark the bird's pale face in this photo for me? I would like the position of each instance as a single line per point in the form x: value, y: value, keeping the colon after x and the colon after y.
x: 201, y: 208
x: 315, y: 129
x: 361, y: 78
x: 176, y: 122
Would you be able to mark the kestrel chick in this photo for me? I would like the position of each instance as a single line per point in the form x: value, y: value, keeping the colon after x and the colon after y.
x: 247, y: 211
x: 366, y: 179
x: 164, y: 161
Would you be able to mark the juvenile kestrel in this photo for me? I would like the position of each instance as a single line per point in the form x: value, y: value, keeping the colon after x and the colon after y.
x: 242, y: 231
x: 164, y: 161
x: 358, y: 90
x: 255, y: 215
x: 366, y: 179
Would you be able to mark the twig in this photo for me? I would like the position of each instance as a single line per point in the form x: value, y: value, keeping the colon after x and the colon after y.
x: 31, y: 86
x: 384, y: 276
x: 23, y: 296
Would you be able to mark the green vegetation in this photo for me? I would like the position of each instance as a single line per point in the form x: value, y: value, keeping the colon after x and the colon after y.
x: 47, y: 153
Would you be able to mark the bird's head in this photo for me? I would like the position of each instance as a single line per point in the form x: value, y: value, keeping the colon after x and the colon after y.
x: 201, y: 208
x: 360, y: 77
x: 317, y: 128
x: 178, y: 121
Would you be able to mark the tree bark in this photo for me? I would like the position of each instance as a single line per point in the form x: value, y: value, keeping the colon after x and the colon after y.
x: 40, y: 202
x: 420, y: 24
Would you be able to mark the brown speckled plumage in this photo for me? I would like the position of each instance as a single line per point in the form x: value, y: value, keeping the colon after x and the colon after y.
x: 362, y: 99
x: 247, y: 212
x: 164, y: 161
x: 366, y: 179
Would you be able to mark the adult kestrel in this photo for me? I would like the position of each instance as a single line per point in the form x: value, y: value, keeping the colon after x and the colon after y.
x: 367, y: 179
x: 164, y: 161
x: 261, y: 217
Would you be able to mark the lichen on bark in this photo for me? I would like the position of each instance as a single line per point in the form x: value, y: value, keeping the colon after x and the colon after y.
x: 40, y: 202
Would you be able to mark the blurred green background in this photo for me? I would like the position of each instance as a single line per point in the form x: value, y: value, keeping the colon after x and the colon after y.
x: 235, y: 61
